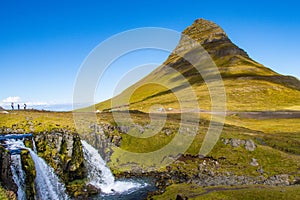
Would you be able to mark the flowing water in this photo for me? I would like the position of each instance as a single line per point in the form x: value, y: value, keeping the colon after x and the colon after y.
x: 101, y: 177
x: 18, y: 175
x: 33, y: 145
x: 48, y: 185
x: 131, y: 194
x: 16, y: 167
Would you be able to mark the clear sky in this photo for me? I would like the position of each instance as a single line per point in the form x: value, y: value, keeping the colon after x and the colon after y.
x: 42, y: 44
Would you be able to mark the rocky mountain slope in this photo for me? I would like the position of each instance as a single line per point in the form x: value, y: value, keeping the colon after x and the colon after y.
x: 248, y: 84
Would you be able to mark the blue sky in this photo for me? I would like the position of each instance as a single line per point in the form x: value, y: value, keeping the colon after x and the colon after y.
x: 42, y: 44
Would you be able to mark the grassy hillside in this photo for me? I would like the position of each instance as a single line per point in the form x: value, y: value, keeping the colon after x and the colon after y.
x: 277, y: 149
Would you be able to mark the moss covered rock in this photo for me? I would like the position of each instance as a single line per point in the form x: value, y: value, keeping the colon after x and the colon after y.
x: 62, y: 150
x: 30, y: 174
x: 80, y: 190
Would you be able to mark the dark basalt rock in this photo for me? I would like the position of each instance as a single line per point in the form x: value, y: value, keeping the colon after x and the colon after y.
x: 181, y: 197
x: 103, y: 137
x: 5, y: 171
x: 63, y: 152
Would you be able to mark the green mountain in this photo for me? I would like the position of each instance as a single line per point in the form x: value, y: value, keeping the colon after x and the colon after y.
x: 249, y: 85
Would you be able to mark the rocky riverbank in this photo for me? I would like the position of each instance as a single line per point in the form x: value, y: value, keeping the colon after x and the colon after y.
x: 208, y: 177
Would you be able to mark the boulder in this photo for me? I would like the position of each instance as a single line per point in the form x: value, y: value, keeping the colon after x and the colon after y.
x: 181, y: 197
x: 124, y: 129
x: 250, y: 145
x: 254, y: 162
x: 235, y: 142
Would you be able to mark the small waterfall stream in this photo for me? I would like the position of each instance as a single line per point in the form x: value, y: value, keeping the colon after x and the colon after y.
x: 18, y: 175
x: 16, y: 167
x: 100, y: 175
x: 48, y: 185
x: 33, y: 146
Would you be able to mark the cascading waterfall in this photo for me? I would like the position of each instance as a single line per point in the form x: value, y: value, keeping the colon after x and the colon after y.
x: 100, y: 175
x: 33, y: 145
x: 48, y: 185
x: 16, y: 169
x: 18, y: 176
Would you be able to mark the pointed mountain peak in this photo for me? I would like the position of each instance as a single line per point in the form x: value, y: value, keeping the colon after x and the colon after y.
x: 205, y: 31
x: 214, y: 40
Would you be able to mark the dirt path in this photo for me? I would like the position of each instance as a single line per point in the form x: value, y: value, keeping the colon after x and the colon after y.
x: 244, y: 114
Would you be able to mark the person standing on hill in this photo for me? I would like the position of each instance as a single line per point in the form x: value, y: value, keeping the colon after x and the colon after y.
x: 18, y: 106
x: 25, y: 106
x: 12, y: 105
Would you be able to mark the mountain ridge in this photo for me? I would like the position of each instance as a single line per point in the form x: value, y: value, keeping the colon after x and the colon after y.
x: 249, y: 85
x: 225, y: 53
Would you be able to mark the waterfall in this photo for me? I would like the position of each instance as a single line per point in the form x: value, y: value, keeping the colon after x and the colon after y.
x: 95, y: 163
x: 48, y: 185
x: 100, y: 175
x: 18, y: 175
x: 33, y: 145
x: 16, y: 168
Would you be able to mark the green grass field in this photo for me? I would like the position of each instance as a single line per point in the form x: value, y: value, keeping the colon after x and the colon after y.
x: 235, y: 192
x: 277, y: 142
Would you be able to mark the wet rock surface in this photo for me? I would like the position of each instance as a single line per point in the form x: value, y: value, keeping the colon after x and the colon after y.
x: 62, y: 151
x: 5, y: 171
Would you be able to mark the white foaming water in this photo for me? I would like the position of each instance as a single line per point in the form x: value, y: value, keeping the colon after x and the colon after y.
x: 100, y: 175
x: 13, y: 144
x: 16, y: 167
x: 18, y: 176
x: 33, y: 145
x: 48, y: 185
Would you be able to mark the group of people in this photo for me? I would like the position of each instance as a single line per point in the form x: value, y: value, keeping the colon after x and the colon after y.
x: 12, y: 106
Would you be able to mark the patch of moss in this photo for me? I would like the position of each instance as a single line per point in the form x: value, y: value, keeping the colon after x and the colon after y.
x: 30, y: 174
x: 77, y: 169
x: 3, y: 194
